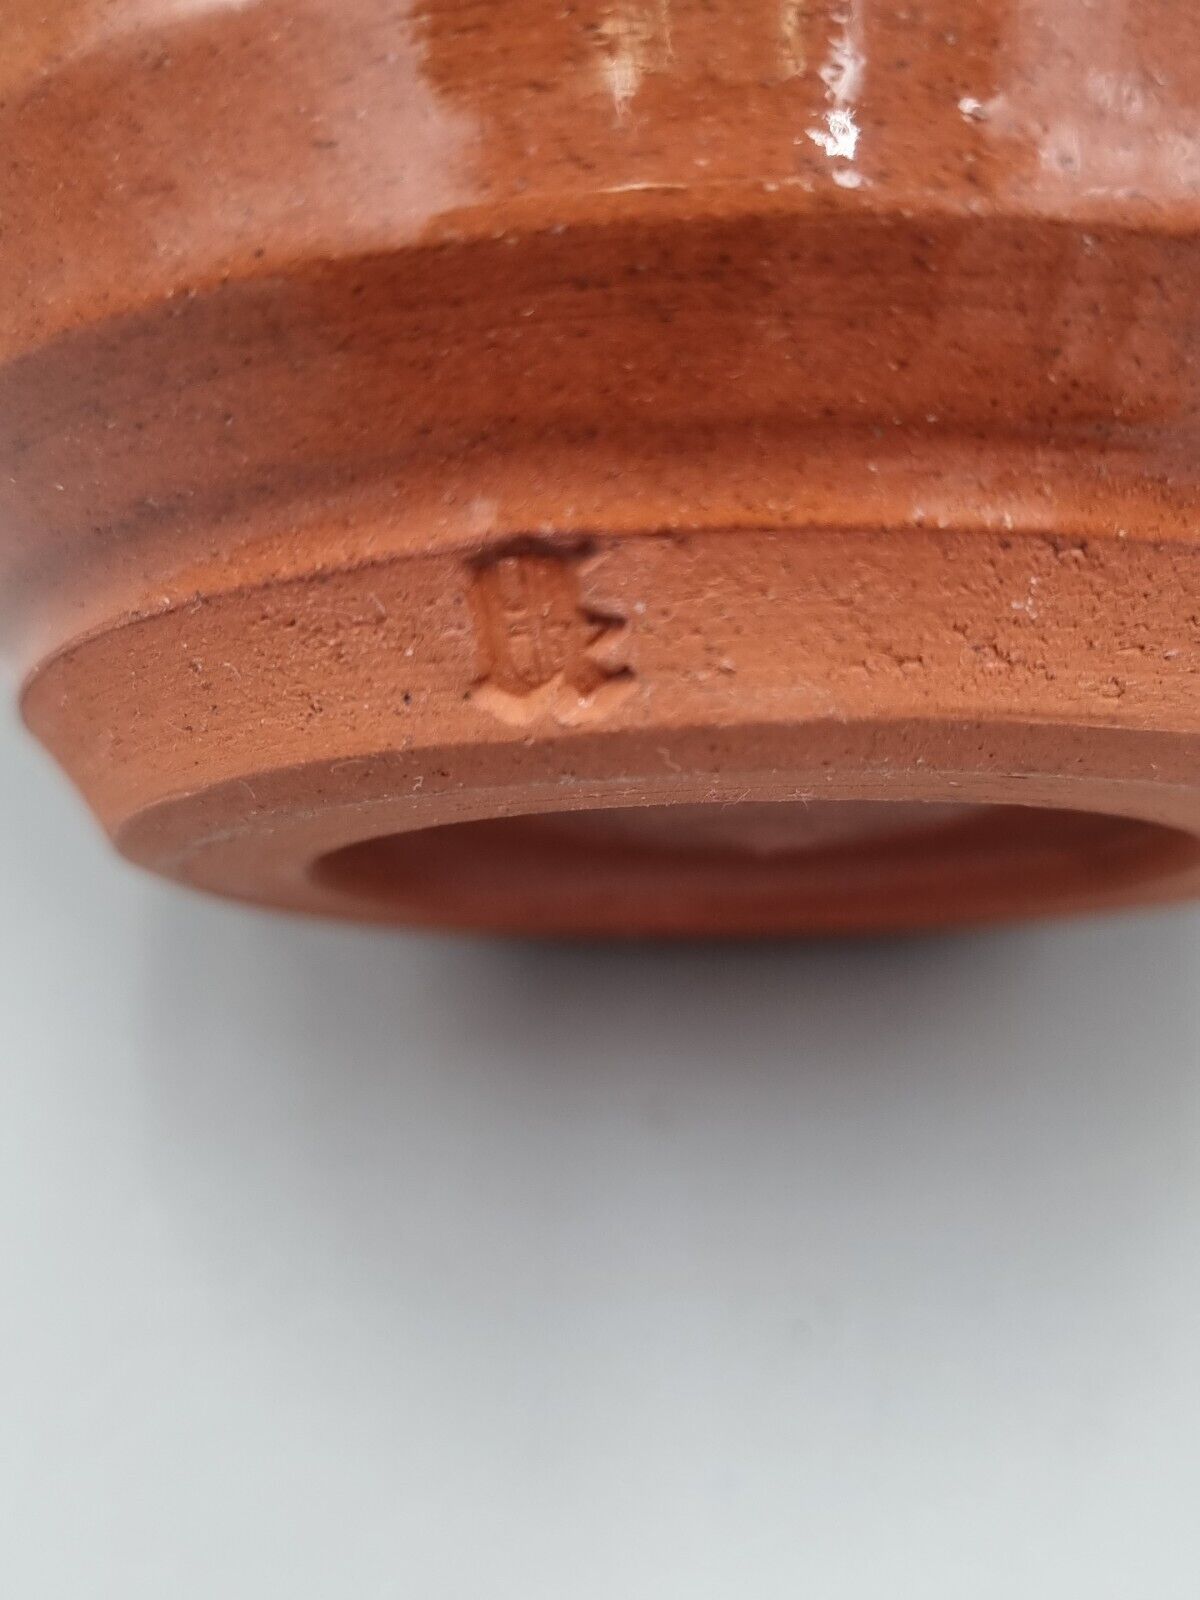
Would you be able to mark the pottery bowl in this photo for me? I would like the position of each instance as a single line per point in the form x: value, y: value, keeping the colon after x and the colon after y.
x: 642, y: 467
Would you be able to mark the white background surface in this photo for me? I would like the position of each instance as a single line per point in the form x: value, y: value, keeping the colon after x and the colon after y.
x: 345, y: 1264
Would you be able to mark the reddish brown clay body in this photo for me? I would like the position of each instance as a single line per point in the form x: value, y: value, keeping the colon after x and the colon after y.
x: 639, y: 466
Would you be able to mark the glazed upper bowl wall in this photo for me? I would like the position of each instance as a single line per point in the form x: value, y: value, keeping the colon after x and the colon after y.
x: 297, y: 248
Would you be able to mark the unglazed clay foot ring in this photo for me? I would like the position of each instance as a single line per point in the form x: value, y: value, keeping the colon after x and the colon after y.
x: 733, y: 731
x: 700, y: 469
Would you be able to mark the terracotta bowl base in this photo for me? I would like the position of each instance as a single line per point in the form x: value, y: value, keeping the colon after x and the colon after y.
x: 734, y: 732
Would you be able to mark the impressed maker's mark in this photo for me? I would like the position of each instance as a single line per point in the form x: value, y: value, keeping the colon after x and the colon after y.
x: 543, y: 650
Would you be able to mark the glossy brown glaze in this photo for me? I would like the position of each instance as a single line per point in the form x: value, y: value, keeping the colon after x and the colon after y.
x: 416, y: 419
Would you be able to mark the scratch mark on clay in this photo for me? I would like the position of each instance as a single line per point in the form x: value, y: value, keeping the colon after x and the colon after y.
x: 843, y: 70
x: 839, y: 137
x: 793, y: 57
x: 636, y: 40
x: 842, y: 75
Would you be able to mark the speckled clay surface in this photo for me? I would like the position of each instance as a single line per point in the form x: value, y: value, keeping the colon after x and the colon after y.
x: 436, y: 438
